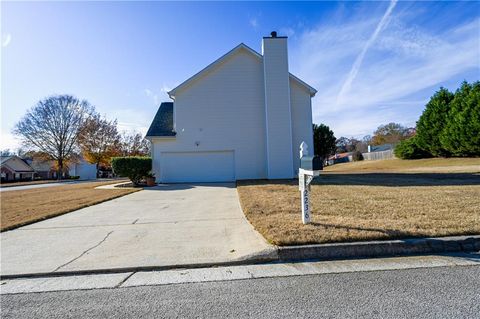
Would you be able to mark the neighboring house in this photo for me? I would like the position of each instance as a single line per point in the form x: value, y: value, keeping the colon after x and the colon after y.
x: 242, y: 117
x: 380, y: 148
x: 340, y: 158
x: 83, y: 170
x: 379, y: 152
x: 44, y: 169
x: 13, y: 168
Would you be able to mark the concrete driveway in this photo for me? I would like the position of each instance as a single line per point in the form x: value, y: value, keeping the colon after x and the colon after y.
x: 162, y: 226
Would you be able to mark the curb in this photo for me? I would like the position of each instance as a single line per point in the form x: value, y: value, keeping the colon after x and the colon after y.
x: 267, y: 257
x: 369, y: 249
x: 334, y: 251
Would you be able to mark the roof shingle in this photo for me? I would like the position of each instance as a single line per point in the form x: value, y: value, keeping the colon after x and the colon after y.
x: 162, y: 124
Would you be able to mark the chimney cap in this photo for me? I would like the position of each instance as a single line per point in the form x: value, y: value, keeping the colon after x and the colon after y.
x: 273, y: 34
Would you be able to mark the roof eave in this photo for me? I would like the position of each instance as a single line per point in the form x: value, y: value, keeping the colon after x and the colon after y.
x: 243, y: 46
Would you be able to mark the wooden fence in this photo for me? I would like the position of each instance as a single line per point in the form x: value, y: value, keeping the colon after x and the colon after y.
x: 374, y: 156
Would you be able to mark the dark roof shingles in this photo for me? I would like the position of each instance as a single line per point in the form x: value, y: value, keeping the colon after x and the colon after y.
x: 162, y: 124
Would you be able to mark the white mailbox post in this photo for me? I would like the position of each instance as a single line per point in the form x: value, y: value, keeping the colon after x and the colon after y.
x: 305, y: 177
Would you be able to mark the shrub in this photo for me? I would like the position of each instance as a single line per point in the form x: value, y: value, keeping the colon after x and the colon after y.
x: 134, y: 167
x: 357, y: 156
x: 74, y: 177
x: 409, y: 149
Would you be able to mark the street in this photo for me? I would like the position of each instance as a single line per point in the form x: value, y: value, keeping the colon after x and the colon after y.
x: 439, y: 292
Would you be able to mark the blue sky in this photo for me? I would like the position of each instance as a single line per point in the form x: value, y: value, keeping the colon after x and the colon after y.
x: 371, y: 62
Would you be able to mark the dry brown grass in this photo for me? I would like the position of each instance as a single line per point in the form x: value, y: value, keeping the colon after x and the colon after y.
x: 358, y: 206
x: 432, y: 165
x: 22, y: 207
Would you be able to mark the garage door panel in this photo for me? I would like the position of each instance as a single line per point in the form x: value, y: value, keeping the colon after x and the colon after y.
x: 180, y: 167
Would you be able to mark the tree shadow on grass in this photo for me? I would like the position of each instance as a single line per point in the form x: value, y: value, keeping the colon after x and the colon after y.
x: 381, y: 179
x: 390, y: 233
x: 399, y: 179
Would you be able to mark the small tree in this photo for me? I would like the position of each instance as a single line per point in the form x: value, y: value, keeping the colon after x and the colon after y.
x: 409, y: 149
x: 357, y: 156
x: 52, y: 127
x: 99, y: 140
x: 323, y: 140
x: 134, y: 167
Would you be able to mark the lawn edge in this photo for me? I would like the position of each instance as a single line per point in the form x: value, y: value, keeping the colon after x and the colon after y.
x: 36, y: 220
x: 380, y: 248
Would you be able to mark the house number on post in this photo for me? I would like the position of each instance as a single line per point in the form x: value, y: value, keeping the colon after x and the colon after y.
x: 310, y: 167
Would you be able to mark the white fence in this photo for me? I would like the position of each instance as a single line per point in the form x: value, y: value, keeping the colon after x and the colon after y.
x: 374, y: 156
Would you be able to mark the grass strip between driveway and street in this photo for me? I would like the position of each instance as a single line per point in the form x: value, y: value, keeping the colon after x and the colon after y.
x: 375, y: 200
x: 23, y: 207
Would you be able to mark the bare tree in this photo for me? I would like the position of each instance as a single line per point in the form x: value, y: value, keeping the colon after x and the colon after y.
x: 52, y: 126
x: 134, y: 145
x: 99, y: 140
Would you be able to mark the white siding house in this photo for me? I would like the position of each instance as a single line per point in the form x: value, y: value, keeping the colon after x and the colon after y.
x: 242, y: 117
x: 83, y: 170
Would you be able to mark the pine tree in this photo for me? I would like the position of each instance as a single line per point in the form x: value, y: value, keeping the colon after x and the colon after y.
x: 323, y: 140
x: 461, y: 136
x: 432, y: 123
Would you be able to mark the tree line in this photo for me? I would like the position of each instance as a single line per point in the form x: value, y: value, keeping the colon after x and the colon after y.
x: 62, y: 128
x: 448, y: 127
x: 326, y: 144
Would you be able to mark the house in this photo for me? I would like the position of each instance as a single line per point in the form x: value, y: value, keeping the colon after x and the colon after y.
x: 13, y: 168
x: 379, y: 152
x: 44, y: 169
x: 340, y: 158
x: 242, y: 117
x: 380, y: 148
x: 82, y: 169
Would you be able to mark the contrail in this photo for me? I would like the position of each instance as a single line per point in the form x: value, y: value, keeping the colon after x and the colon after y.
x: 358, y: 62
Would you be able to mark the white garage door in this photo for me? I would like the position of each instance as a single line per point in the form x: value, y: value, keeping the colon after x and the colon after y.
x: 178, y: 167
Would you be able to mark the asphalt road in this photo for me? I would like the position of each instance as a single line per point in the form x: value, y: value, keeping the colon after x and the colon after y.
x: 444, y: 292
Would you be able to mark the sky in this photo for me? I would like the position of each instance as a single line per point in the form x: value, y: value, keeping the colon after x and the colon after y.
x: 372, y: 62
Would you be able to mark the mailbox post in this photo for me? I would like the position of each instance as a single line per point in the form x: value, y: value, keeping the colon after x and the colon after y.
x: 310, y: 167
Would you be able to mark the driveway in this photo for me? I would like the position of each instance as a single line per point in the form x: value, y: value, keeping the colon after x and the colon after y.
x: 162, y: 226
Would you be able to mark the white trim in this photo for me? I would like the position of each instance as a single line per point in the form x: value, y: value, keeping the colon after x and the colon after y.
x: 161, y: 138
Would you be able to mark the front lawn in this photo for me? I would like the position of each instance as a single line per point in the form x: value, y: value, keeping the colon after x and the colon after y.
x: 21, y: 207
x: 350, y: 205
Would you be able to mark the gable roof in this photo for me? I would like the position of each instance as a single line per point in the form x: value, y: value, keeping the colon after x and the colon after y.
x: 162, y: 124
x: 18, y: 165
x: 380, y: 148
x: 224, y: 57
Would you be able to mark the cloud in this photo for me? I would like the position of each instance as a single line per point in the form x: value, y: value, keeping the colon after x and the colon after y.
x: 155, y: 98
x: 382, y: 71
x: 134, y: 119
x: 6, y: 39
x: 9, y: 141
x: 253, y: 22
x: 289, y: 32
x: 165, y: 88
x: 358, y: 61
x: 148, y: 92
